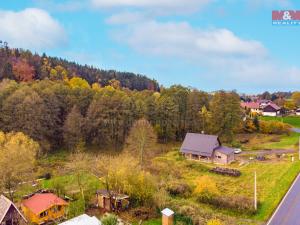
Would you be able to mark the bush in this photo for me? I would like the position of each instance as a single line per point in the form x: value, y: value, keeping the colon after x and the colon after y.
x: 214, y: 222
x: 240, y: 204
x: 110, y: 219
x: 179, y: 188
x: 274, y: 127
x: 206, y: 187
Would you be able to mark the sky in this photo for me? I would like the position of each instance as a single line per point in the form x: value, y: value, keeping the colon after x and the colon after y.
x: 205, y: 44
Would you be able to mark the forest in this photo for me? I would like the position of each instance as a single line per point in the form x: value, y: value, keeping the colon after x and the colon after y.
x: 23, y: 65
x: 62, y: 113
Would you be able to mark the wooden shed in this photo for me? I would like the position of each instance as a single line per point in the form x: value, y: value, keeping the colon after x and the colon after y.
x: 112, y: 201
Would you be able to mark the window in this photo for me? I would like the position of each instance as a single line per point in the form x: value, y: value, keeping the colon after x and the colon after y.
x: 43, y: 214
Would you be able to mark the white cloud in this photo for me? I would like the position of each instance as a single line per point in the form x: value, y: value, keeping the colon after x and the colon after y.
x: 183, y: 40
x: 162, y: 6
x: 31, y: 28
x: 127, y: 18
x: 227, y: 58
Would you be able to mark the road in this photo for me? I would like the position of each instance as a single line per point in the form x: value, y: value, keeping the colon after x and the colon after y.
x: 288, y: 211
x: 268, y: 152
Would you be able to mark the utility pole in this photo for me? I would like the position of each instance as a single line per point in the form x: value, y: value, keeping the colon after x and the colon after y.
x: 255, y: 194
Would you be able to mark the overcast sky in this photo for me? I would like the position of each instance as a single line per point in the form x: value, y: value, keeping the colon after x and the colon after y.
x: 207, y: 44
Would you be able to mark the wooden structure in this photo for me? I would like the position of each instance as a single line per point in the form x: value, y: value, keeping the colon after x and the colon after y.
x: 167, y: 217
x: 41, y: 208
x: 206, y: 148
x: 112, y: 201
x: 9, y: 213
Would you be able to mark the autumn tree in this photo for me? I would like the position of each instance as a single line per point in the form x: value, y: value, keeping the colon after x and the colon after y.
x: 296, y: 98
x: 17, y: 160
x: 73, y: 128
x: 141, y: 140
x: 23, y: 71
x: 120, y: 174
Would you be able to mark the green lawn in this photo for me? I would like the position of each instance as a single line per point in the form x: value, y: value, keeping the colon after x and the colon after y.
x: 270, y: 141
x: 292, y: 120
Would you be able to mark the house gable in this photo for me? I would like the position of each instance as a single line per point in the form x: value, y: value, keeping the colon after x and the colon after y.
x: 200, y: 144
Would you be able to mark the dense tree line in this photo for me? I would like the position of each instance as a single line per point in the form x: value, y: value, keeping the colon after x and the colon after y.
x: 64, y: 113
x: 23, y: 65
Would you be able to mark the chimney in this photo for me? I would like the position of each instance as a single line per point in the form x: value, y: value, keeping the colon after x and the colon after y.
x: 167, y: 217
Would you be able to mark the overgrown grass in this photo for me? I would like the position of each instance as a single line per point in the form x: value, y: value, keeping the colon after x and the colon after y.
x: 273, y: 180
x: 292, y: 120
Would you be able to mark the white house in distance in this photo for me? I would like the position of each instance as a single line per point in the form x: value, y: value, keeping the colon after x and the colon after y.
x: 271, y: 110
x: 82, y: 220
x: 262, y: 107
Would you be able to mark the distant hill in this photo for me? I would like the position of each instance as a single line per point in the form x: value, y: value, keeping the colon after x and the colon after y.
x: 23, y: 65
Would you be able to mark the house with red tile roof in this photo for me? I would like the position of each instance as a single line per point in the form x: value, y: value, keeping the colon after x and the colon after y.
x: 44, y: 207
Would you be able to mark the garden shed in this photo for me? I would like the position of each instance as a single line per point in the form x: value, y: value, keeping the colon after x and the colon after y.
x: 112, y: 201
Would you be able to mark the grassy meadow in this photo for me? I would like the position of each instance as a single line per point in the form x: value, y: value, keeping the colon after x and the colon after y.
x: 270, y: 141
x: 294, y: 121
x: 274, y: 177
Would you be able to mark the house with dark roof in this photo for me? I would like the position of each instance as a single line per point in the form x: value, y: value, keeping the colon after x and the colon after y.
x: 9, y: 213
x: 206, y: 148
x: 42, y: 208
x: 271, y: 110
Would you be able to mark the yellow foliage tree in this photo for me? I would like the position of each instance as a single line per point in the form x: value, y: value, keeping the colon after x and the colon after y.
x: 77, y: 82
x: 17, y: 159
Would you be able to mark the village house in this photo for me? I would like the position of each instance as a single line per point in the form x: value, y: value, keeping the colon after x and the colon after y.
x: 271, y: 110
x: 82, y: 220
x: 9, y: 213
x: 44, y: 207
x: 206, y: 148
x: 112, y: 201
x: 253, y: 106
x: 262, y: 107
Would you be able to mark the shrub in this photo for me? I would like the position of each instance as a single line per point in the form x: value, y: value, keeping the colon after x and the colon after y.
x: 274, y: 127
x: 214, y: 222
x: 206, y: 187
x: 161, y: 198
x: 179, y: 188
x: 240, y: 204
x: 110, y: 219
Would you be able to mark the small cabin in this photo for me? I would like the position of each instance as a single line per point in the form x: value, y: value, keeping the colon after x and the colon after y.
x: 9, y: 213
x: 41, y: 208
x: 112, y: 201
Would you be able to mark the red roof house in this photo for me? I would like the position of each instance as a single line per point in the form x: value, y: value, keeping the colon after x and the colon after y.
x: 44, y: 207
